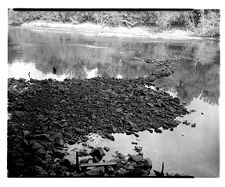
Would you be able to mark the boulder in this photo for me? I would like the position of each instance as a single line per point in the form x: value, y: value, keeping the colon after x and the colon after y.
x: 147, y: 164
x: 97, y: 154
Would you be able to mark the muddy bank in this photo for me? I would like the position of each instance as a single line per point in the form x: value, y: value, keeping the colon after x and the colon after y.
x: 44, y: 115
x: 100, y: 30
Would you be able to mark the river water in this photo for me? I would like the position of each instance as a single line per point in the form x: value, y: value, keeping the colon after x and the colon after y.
x: 186, y: 150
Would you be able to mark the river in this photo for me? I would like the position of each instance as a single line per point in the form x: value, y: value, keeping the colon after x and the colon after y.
x: 186, y: 150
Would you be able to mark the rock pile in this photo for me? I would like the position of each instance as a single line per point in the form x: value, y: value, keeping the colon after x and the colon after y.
x: 45, y: 114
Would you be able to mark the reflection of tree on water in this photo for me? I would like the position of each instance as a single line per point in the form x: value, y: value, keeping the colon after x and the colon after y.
x: 191, y: 81
x: 72, y: 55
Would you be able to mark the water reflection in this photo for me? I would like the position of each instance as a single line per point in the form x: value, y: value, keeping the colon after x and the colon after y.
x: 77, y: 56
x: 186, y: 150
x: 193, y: 80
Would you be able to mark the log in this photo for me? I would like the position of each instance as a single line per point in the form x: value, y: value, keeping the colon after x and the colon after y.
x: 98, y: 164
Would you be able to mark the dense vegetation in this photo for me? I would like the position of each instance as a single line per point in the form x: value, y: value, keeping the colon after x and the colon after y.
x: 203, y: 22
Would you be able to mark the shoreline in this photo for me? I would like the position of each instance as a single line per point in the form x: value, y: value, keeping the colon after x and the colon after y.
x: 99, y: 30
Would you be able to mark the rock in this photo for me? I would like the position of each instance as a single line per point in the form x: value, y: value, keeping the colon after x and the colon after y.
x: 110, y: 137
x: 177, y: 122
x: 71, y: 142
x: 106, y: 149
x: 83, y: 152
x: 110, y: 169
x: 98, y: 171
x: 84, y: 161
x: 114, y: 129
x: 119, y: 110
x: 58, y: 139
x: 58, y: 153
x: 135, y: 134
x: 147, y: 164
x: 119, y: 155
x: 128, y: 132
x: 136, y: 158
x: 95, y: 159
x: 41, y: 152
x: 193, y: 125
x: 97, y: 154
x: 36, y: 146
x: 26, y: 133
x: 173, y: 110
x: 121, y: 172
x: 84, y: 144
x: 130, y: 167
x: 158, y: 130
x: 65, y: 162
x: 138, y: 148
x: 79, y: 131
x: 134, y: 143
x: 63, y: 101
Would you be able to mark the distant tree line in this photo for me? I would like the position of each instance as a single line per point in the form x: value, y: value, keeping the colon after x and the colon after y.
x: 204, y: 22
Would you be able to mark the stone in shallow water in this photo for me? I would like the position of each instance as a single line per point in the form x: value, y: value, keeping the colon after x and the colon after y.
x: 97, y: 154
x: 110, y: 137
x: 138, y: 148
x: 106, y: 149
x: 193, y: 125
x: 147, y: 164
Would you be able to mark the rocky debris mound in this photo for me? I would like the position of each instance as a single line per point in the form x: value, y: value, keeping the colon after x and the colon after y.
x: 79, y: 107
x: 45, y: 114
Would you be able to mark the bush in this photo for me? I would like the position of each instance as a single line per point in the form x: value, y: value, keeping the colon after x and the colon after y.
x: 205, y: 24
x: 209, y: 24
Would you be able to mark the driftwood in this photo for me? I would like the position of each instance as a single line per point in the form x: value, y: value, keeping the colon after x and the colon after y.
x: 97, y: 164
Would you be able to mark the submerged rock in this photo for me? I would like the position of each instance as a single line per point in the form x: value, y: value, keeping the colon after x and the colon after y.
x: 106, y: 149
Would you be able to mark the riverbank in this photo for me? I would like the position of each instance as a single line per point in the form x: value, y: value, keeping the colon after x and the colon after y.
x: 99, y: 30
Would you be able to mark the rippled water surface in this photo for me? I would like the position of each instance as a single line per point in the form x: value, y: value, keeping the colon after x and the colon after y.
x: 192, y: 151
